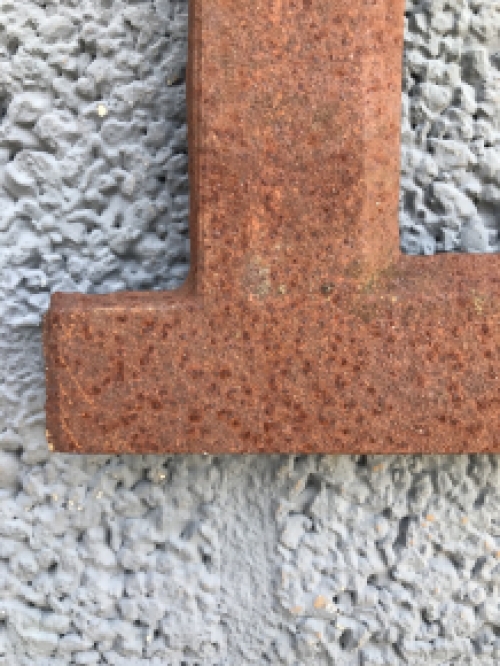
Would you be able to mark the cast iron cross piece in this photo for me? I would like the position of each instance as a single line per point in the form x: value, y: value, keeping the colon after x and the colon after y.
x: 301, y: 327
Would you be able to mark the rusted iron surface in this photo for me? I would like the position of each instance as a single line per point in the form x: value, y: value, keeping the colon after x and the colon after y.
x: 301, y: 327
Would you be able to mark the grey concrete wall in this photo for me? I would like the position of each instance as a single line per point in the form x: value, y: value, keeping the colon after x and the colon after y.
x: 450, y: 194
x: 201, y: 561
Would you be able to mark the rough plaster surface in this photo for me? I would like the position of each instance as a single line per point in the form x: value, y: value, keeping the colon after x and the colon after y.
x: 450, y: 194
x: 201, y: 561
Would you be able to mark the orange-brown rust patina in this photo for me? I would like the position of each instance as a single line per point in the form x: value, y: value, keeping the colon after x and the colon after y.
x: 301, y: 327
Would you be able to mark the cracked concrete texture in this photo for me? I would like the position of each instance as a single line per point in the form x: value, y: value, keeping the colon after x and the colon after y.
x: 217, y: 561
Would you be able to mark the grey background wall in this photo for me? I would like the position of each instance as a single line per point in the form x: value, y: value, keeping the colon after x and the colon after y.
x: 201, y: 561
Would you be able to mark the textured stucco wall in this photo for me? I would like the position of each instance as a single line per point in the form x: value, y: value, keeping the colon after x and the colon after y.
x: 450, y: 194
x: 201, y: 561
